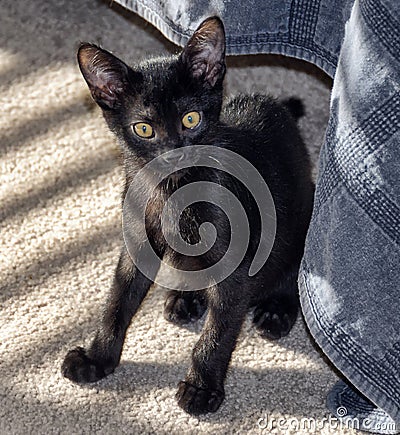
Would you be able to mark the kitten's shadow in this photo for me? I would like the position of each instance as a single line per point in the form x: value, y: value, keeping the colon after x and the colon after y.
x: 249, y: 392
x: 290, y: 342
x: 279, y: 61
x: 255, y: 392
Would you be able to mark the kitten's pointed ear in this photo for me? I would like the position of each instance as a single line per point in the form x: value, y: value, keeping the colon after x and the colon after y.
x: 204, y: 54
x: 105, y: 74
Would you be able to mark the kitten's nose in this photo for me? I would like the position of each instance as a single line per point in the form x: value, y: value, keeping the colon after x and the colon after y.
x: 173, y: 158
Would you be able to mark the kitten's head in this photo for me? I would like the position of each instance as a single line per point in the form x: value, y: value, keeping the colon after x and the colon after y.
x: 162, y: 104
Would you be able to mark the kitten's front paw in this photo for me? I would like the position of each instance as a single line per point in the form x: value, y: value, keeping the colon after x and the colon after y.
x: 196, y: 401
x: 184, y: 307
x: 78, y: 367
x: 273, y: 319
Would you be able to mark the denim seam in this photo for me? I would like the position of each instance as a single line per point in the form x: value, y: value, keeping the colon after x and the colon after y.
x: 322, y: 58
x: 315, y: 51
x: 341, y: 344
x: 347, y: 398
x: 153, y: 17
x: 341, y: 339
x: 265, y: 38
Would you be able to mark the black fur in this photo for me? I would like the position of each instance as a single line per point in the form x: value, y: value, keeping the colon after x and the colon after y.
x: 259, y: 128
x: 295, y: 107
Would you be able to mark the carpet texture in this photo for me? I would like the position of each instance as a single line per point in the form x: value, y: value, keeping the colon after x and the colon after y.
x: 60, y: 187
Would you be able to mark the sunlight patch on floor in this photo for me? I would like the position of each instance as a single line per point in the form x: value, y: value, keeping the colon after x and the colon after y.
x: 9, y: 61
x: 45, y: 89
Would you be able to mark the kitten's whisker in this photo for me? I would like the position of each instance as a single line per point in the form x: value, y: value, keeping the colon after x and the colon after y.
x: 215, y: 159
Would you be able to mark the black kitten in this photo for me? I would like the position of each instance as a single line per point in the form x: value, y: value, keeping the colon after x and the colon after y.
x: 175, y: 103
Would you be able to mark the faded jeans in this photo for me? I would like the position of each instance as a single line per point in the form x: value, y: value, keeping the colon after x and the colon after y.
x: 350, y: 275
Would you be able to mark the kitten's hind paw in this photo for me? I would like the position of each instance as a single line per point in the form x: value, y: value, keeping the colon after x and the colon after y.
x: 78, y: 367
x: 184, y: 307
x: 274, y: 319
x: 196, y: 401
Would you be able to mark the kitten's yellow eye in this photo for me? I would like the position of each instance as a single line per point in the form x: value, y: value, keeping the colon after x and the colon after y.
x: 143, y: 129
x: 191, y: 120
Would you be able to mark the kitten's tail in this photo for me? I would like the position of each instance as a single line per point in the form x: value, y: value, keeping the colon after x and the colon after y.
x: 295, y: 107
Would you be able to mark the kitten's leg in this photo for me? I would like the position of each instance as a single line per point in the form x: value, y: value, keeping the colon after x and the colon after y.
x: 129, y: 288
x: 275, y: 314
x: 202, y: 390
x: 182, y: 307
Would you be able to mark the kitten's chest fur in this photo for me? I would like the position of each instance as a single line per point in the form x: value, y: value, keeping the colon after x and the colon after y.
x: 187, y: 223
x: 163, y: 227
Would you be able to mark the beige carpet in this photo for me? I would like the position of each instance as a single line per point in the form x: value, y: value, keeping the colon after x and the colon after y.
x: 60, y: 220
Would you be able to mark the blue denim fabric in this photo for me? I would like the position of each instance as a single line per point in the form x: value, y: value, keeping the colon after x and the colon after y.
x: 357, y: 412
x: 306, y: 29
x: 350, y: 276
